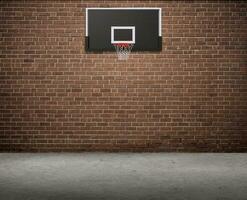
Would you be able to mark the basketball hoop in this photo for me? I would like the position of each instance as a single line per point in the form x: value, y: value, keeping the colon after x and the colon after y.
x: 123, y: 50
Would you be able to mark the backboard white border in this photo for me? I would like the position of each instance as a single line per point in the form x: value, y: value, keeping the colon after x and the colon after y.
x: 113, y: 28
x: 126, y: 8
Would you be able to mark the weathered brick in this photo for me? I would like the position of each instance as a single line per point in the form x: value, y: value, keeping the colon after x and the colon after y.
x: 191, y: 96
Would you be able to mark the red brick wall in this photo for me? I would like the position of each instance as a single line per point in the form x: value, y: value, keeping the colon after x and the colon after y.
x: 192, y: 96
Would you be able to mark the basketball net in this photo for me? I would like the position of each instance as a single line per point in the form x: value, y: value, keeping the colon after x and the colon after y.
x: 123, y: 50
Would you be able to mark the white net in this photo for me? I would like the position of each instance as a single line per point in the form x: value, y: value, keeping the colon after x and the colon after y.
x: 123, y: 50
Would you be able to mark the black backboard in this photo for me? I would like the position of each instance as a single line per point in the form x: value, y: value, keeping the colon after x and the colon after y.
x: 141, y: 26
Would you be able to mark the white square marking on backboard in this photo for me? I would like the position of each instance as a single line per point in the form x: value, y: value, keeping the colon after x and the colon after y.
x: 113, y: 28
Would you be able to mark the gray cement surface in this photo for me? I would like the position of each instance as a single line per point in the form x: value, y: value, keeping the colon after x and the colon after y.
x: 123, y: 176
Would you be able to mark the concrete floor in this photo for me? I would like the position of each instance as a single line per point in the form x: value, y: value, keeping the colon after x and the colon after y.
x: 123, y: 176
